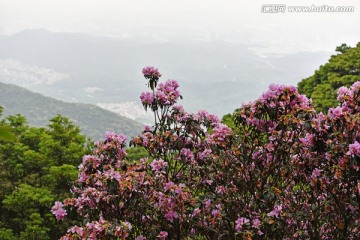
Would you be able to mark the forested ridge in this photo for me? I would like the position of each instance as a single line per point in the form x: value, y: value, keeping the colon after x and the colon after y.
x: 39, y: 109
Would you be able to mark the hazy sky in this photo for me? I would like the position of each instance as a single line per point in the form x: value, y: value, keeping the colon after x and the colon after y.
x: 230, y: 20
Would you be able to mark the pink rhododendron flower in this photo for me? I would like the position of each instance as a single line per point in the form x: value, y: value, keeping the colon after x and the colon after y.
x: 171, y: 215
x: 275, y: 212
x: 151, y: 72
x: 111, y: 174
x: 355, y: 86
x: 208, y: 203
x: 168, y: 186
x: 58, y: 211
x: 147, y: 98
x: 335, y: 112
x: 157, y: 165
x: 316, y: 173
x: 186, y: 154
x: 77, y: 230
x: 355, y: 148
x: 342, y: 92
x: 147, y: 128
x: 215, y: 213
x: 256, y: 223
x: 178, y: 108
x: 204, y: 154
x: 163, y: 235
x: 195, y: 212
x: 240, y: 222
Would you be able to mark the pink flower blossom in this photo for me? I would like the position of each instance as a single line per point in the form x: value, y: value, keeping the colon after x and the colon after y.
x: 276, y: 211
x: 178, y: 108
x: 204, y: 154
x: 240, y: 222
x: 111, y: 174
x: 157, y: 165
x: 335, y: 112
x: 207, y: 203
x: 186, y: 154
x: 355, y: 86
x: 256, y: 223
x: 221, y: 132
x: 77, y: 230
x: 195, y: 212
x: 58, y: 211
x: 355, y: 148
x: 316, y: 173
x: 163, y: 235
x: 168, y: 186
x: 111, y: 136
x: 83, y: 177
x: 147, y: 98
x: 171, y: 215
x: 342, y: 92
x: 216, y: 213
x: 151, y: 73
x: 167, y: 94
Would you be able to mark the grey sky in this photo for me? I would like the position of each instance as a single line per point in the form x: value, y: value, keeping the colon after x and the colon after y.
x: 231, y: 20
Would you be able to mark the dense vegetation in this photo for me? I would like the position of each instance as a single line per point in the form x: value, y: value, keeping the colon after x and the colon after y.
x: 38, y: 110
x: 36, y: 168
x: 285, y: 172
x: 280, y: 169
x: 343, y: 69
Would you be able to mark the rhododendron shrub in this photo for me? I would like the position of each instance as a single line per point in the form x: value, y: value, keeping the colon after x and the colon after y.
x: 285, y: 172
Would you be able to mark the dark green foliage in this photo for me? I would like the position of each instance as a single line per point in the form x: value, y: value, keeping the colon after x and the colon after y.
x: 36, y: 169
x: 228, y: 120
x: 136, y: 153
x: 5, y: 133
x: 343, y: 69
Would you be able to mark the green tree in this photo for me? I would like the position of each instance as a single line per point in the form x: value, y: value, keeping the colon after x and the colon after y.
x: 36, y: 169
x: 343, y: 69
x: 5, y: 133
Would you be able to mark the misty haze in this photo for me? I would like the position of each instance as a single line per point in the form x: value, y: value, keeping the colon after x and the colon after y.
x: 214, y: 75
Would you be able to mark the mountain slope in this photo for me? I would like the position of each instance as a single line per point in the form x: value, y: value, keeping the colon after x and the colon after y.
x: 38, y: 109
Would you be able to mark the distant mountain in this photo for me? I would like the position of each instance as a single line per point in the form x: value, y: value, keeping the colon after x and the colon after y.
x: 213, y: 75
x: 38, y: 109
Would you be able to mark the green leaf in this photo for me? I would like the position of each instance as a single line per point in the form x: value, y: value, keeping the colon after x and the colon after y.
x: 6, y: 135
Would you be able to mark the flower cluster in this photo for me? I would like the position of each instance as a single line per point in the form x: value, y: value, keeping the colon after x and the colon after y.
x: 153, y: 75
x: 284, y: 172
x: 58, y: 211
x: 166, y: 95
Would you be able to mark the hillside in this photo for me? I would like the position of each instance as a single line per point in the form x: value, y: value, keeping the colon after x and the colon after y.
x: 38, y: 109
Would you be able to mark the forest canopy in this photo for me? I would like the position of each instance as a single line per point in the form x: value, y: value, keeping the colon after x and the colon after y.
x: 342, y: 69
